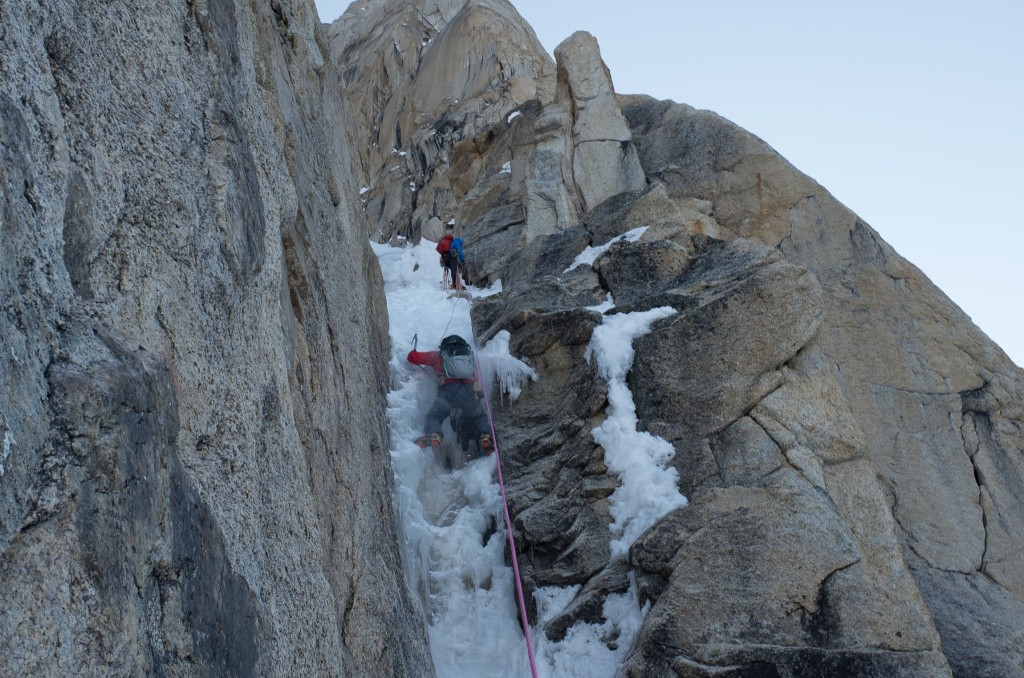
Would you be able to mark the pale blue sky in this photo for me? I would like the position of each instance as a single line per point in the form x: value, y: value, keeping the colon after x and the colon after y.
x: 908, y: 112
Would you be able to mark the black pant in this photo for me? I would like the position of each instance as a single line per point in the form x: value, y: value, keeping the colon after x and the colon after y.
x: 451, y: 396
x: 452, y: 263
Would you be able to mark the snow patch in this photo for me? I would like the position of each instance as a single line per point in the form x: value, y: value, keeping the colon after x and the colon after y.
x: 648, y: 487
x: 605, y: 306
x: 551, y: 600
x: 364, y: 190
x: 590, y: 254
x: 506, y: 168
x: 584, y: 652
x: 512, y: 116
x: 495, y: 288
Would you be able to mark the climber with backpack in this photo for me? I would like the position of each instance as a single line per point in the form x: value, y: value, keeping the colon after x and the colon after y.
x: 458, y: 388
x: 453, y: 260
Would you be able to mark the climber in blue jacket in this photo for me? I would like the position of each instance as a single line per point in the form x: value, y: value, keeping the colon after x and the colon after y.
x: 453, y: 258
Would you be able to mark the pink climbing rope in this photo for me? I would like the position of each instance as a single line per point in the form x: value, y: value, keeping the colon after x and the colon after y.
x: 508, y: 524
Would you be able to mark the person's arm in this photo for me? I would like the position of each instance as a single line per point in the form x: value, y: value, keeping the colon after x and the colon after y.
x: 428, y: 358
x: 457, y: 244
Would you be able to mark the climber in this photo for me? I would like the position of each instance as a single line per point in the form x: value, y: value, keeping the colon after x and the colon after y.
x: 453, y: 259
x: 459, y: 388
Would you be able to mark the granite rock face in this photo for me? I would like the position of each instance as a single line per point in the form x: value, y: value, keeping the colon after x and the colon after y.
x: 938, y: 403
x: 464, y: 124
x: 849, y: 442
x: 194, y: 475
x: 787, y: 555
x: 429, y: 82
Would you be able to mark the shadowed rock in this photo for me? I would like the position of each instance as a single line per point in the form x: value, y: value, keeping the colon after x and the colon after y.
x: 193, y: 467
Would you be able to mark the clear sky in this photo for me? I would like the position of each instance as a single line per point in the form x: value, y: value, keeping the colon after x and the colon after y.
x: 911, y: 113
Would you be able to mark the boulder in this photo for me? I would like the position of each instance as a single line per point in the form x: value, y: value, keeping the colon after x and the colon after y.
x: 724, y: 568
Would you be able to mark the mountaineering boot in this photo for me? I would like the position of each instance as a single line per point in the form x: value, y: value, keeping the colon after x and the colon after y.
x: 433, y: 440
x: 486, y: 444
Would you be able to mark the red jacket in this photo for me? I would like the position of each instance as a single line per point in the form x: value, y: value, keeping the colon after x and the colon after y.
x: 433, y: 359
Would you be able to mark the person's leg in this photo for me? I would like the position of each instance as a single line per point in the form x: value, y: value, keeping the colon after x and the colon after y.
x: 452, y: 262
x: 482, y: 423
x: 466, y: 400
x: 439, y: 411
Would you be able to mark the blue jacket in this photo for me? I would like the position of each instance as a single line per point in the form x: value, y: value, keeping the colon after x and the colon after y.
x: 457, y: 246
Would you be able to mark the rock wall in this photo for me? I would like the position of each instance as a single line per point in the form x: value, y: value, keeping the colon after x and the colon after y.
x: 939, y: 403
x: 463, y: 122
x: 194, y: 477
x: 427, y: 79
x: 849, y: 442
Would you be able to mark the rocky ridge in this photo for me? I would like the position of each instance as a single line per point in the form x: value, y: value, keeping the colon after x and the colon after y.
x: 850, y: 443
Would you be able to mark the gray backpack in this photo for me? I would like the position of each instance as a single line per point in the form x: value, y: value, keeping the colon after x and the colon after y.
x: 457, y: 358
